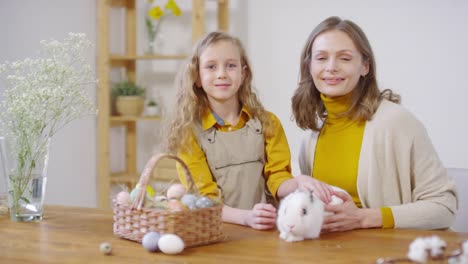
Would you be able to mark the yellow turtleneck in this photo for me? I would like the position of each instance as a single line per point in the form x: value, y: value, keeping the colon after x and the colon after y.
x: 338, y: 150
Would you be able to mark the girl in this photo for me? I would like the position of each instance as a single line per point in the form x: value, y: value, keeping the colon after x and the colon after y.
x: 386, y: 160
x: 226, y: 137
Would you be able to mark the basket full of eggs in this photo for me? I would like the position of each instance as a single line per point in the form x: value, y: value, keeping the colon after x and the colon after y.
x: 195, y: 219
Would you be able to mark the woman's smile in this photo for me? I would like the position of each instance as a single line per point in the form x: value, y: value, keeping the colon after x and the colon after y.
x: 333, y: 81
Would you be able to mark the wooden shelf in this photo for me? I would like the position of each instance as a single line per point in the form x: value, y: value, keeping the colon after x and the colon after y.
x: 148, y: 57
x: 123, y: 177
x: 105, y: 62
x: 134, y: 118
x: 125, y: 120
x: 126, y: 60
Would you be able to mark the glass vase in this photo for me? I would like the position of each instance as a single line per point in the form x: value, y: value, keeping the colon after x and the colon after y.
x: 25, y: 167
x: 154, y: 37
x: 155, y: 45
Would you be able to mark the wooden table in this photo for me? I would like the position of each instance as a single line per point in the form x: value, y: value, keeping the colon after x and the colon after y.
x: 73, y: 235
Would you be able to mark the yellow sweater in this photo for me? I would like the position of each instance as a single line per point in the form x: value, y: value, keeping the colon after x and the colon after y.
x: 277, y: 156
x: 338, y: 151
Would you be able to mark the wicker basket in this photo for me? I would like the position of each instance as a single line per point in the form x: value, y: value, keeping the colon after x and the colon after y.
x: 195, y: 227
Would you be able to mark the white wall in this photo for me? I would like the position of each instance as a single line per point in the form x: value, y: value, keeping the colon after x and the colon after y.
x: 23, y: 23
x: 420, y: 47
x: 72, y: 166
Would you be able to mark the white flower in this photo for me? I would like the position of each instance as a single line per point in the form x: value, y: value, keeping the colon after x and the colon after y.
x: 461, y: 259
x: 424, y: 247
x: 42, y: 95
x: 436, y: 245
x: 418, y: 250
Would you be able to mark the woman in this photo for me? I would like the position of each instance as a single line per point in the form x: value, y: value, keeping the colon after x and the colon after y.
x: 363, y: 141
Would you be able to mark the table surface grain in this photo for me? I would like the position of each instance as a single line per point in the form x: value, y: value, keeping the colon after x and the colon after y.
x: 73, y: 235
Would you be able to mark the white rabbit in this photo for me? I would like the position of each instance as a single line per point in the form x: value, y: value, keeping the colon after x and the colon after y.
x: 301, y: 214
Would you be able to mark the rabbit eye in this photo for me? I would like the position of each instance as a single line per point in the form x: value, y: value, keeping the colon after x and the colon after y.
x: 304, y: 211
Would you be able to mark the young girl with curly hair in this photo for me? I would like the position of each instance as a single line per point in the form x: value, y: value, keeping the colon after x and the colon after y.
x: 229, y: 142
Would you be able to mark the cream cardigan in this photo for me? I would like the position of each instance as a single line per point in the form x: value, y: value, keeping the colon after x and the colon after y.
x: 399, y: 168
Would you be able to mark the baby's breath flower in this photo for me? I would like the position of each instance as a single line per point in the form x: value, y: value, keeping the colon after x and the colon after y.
x: 42, y: 95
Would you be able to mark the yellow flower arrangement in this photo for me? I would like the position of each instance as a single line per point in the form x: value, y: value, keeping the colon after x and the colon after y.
x: 154, y: 17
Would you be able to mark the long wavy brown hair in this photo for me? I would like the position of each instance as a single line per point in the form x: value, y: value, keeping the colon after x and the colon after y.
x: 192, y: 102
x: 307, y: 105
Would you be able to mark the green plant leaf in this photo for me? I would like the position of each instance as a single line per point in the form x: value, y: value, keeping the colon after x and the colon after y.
x: 25, y: 200
x: 127, y: 88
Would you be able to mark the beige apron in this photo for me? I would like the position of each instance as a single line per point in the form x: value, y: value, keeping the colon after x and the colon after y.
x: 236, y: 160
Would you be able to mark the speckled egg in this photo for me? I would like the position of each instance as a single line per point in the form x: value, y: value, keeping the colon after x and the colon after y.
x: 171, y: 244
x: 123, y: 197
x: 105, y: 248
x: 204, y: 202
x: 190, y: 201
x: 150, y: 241
x: 175, y: 191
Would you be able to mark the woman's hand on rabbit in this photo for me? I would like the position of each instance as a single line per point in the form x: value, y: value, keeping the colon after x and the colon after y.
x: 322, y: 190
x: 261, y: 217
x: 348, y: 216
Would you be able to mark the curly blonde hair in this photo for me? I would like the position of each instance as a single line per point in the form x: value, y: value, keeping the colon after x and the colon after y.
x: 192, y: 102
x: 307, y: 105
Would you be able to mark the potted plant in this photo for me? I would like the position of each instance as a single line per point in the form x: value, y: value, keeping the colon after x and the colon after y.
x: 130, y: 98
x: 152, y: 108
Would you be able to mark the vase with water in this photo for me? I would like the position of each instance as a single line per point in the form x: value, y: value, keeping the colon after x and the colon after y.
x: 41, y: 96
x: 25, y: 170
x: 155, y: 38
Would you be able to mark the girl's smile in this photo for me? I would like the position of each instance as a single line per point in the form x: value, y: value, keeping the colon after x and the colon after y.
x: 221, y: 72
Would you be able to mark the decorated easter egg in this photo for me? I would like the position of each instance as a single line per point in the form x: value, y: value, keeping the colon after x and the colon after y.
x: 189, y: 200
x: 149, y: 192
x: 171, y: 244
x: 150, y: 241
x: 123, y: 197
x: 175, y: 191
x: 176, y: 205
x: 204, y: 202
x: 133, y: 194
x: 105, y: 248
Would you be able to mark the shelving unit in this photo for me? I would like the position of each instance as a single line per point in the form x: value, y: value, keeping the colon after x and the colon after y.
x: 105, y: 62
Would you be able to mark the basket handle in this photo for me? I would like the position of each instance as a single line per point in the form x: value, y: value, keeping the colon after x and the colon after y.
x: 145, y: 175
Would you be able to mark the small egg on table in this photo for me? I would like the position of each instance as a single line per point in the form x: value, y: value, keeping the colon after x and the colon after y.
x: 105, y: 248
x: 150, y: 241
x: 171, y: 244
